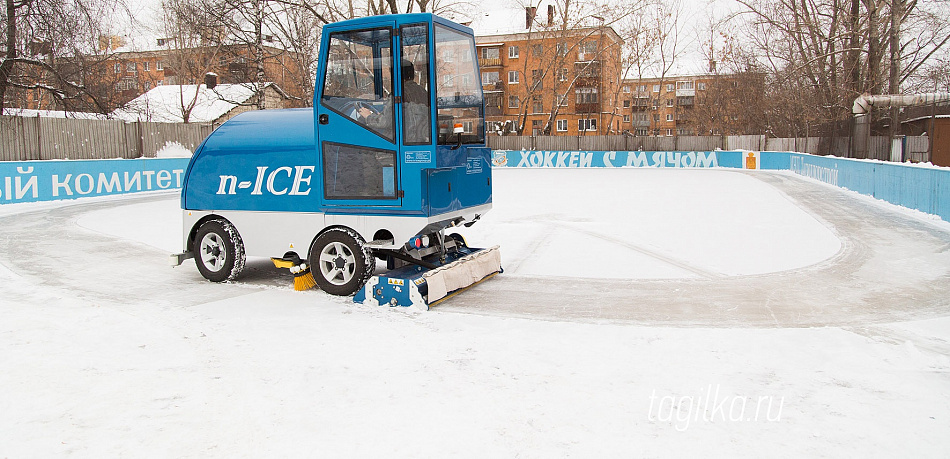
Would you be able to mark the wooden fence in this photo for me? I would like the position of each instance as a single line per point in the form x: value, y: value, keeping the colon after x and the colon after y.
x: 36, y: 138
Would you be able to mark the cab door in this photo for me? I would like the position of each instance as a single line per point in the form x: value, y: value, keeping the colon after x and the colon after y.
x: 356, y: 119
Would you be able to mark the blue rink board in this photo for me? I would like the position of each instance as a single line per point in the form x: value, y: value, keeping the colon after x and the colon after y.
x: 923, y: 188
x: 32, y: 181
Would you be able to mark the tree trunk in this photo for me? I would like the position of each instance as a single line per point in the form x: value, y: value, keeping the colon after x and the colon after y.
x: 6, y: 65
x: 259, y: 52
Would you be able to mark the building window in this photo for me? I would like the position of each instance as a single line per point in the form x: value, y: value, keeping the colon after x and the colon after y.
x: 626, y: 118
x: 669, y: 117
x: 626, y: 89
x: 642, y: 88
x: 656, y: 118
x: 561, y: 125
x: 537, y: 80
x: 701, y: 86
x: 489, y: 53
x: 130, y: 67
x: 537, y: 106
x: 512, y: 101
x: 159, y: 83
x: 562, y: 100
x: 669, y: 132
x: 490, y: 77
x: 642, y: 132
x: 670, y: 87
x: 145, y: 66
x: 626, y: 104
x: 118, y: 67
x: 512, y: 77
x: 159, y: 65
x: 587, y: 124
x: 684, y: 85
x: 669, y: 102
x: 537, y: 50
x: 562, y: 75
x: 587, y: 50
x: 656, y: 88
x: 562, y: 49
x: 512, y: 52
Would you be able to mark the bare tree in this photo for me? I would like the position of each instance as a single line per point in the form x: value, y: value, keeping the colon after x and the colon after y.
x: 654, y: 43
x: 839, y: 49
x: 50, y: 48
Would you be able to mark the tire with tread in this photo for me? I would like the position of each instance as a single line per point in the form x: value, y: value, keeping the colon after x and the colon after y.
x: 340, y: 261
x: 219, y: 251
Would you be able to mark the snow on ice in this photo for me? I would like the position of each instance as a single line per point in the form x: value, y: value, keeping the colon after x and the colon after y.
x: 115, y: 354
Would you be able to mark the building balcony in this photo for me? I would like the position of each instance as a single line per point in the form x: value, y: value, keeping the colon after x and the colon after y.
x: 494, y: 111
x: 587, y: 82
x: 593, y: 107
x: 588, y: 69
x: 496, y: 62
x: 685, y: 92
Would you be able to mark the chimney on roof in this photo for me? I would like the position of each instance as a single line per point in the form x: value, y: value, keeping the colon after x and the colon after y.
x: 712, y: 66
x: 529, y: 14
x: 550, y: 15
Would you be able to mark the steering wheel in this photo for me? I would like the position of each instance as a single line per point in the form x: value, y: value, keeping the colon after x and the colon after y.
x: 352, y: 108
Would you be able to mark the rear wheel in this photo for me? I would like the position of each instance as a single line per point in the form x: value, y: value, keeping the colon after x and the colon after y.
x: 219, y: 251
x: 340, y: 261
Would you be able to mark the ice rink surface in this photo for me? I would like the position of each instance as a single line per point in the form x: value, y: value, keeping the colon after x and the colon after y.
x: 642, y: 312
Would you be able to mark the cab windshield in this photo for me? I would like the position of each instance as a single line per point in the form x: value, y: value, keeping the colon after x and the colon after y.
x: 458, y: 87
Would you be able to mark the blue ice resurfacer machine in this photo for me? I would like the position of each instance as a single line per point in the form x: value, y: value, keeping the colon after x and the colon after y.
x: 390, y: 158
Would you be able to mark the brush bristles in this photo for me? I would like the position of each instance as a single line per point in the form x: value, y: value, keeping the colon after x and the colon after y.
x: 304, y: 281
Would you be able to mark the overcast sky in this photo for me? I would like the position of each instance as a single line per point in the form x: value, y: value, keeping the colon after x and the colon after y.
x: 490, y: 16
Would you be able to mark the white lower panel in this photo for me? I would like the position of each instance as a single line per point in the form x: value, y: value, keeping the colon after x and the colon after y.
x: 271, y: 234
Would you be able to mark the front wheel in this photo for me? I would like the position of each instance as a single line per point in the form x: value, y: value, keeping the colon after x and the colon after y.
x: 219, y: 251
x: 341, y: 262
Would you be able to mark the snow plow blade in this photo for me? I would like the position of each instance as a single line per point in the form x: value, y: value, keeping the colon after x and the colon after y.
x: 423, y: 287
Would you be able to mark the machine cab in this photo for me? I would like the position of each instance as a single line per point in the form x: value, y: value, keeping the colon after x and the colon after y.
x: 399, y: 117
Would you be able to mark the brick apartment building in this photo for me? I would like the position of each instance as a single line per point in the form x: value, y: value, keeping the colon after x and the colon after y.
x: 707, y: 104
x: 547, y: 80
x: 116, y: 75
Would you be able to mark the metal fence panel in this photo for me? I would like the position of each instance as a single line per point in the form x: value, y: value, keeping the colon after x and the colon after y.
x: 917, y: 149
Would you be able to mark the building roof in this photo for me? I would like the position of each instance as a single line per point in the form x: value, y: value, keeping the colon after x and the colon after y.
x: 163, y: 103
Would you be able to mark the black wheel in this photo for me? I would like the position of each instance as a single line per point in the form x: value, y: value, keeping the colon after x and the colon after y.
x: 219, y: 251
x: 340, y: 261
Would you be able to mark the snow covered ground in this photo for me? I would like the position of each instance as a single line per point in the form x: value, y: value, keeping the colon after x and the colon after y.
x: 105, y: 351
